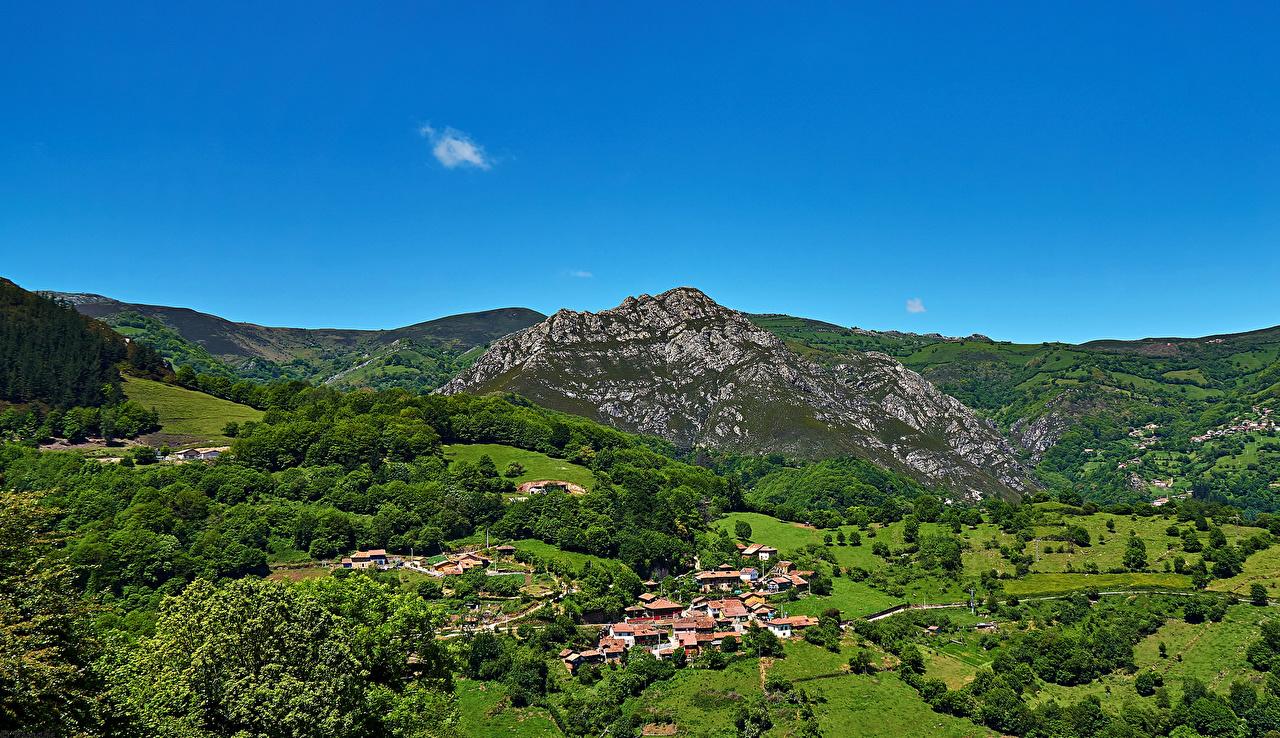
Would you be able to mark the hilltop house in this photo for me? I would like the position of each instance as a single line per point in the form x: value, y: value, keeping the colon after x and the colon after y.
x: 759, y: 551
x: 375, y: 557
x: 198, y: 454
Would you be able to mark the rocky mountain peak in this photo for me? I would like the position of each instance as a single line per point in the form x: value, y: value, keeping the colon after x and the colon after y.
x: 681, y: 366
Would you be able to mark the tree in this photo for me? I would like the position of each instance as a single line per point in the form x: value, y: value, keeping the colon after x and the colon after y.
x: 761, y: 642
x: 860, y: 663
x: 46, y: 644
x: 1147, y: 682
x: 742, y: 529
x: 752, y: 717
x: 1078, y: 534
x: 912, y: 659
x: 1135, y: 554
x: 514, y: 469
x: 940, y: 551
x: 910, y: 529
x: 1258, y: 595
x: 250, y: 657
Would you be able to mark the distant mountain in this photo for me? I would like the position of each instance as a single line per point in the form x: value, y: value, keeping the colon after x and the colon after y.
x: 680, y: 366
x: 51, y: 355
x: 419, y: 356
x: 1082, y: 412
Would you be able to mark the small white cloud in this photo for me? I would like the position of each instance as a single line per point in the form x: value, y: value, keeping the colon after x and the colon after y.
x: 581, y: 274
x: 454, y: 149
x: 915, y: 305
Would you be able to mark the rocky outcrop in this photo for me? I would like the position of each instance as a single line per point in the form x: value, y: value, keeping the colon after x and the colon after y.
x: 680, y: 366
x: 1038, y: 434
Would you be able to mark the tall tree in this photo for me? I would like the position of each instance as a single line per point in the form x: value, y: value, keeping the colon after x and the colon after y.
x: 45, y: 645
x: 247, y: 658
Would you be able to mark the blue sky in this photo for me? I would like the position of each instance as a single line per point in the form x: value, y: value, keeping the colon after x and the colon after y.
x: 1033, y: 171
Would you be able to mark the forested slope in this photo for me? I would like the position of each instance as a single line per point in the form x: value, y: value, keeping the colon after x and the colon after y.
x: 50, y: 354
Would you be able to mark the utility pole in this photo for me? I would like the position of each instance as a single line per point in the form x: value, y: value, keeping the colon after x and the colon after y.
x: 973, y: 605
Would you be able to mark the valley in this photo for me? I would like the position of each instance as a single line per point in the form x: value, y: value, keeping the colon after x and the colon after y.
x: 1085, y: 531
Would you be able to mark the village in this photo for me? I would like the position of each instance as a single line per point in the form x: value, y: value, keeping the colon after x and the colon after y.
x: 729, y: 602
x: 1264, y: 423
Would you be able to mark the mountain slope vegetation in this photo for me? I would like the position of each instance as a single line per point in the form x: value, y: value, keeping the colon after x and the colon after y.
x: 421, y: 356
x: 51, y: 355
x: 1111, y: 420
x: 680, y: 366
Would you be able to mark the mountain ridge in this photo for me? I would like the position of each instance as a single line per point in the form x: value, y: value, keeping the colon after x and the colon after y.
x: 681, y: 366
x: 416, y: 356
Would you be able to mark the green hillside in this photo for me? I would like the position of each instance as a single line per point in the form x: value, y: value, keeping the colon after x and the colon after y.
x: 536, y: 466
x: 52, y: 356
x: 1086, y: 413
x: 418, y: 357
x: 186, y: 416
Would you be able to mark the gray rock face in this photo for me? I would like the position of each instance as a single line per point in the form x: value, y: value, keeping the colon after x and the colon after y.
x: 1041, y: 433
x: 680, y: 366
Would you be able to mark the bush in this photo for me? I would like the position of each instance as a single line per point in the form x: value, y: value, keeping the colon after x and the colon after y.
x: 1147, y: 682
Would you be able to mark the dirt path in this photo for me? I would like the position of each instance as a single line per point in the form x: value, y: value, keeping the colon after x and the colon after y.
x: 765, y: 663
x: 1041, y: 598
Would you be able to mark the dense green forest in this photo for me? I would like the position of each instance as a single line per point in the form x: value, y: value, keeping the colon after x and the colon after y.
x: 60, y: 373
x: 52, y: 355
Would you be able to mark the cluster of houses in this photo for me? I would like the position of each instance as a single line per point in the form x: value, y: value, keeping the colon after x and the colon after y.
x: 662, y: 627
x: 731, y: 601
x: 450, y: 565
x: 782, y: 577
x: 197, y: 454
x: 1264, y: 423
x: 461, y: 563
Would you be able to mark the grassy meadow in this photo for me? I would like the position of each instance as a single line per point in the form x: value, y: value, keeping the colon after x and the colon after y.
x: 703, y: 703
x: 1211, y: 652
x: 536, y: 466
x: 485, y: 710
x: 187, y: 417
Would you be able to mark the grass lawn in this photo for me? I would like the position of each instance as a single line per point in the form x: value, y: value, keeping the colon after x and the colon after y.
x: 187, y: 417
x: 852, y: 599
x: 703, y: 703
x: 1107, y: 547
x: 536, y: 466
x: 1048, y: 575
x: 789, y: 537
x: 954, y: 664
x: 485, y: 711
x: 549, y: 552
x: 871, y: 705
x: 1047, y: 584
x: 881, y: 705
x: 1262, y: 568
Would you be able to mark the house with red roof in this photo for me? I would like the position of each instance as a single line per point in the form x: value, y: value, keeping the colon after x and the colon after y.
x: 662, y: 607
